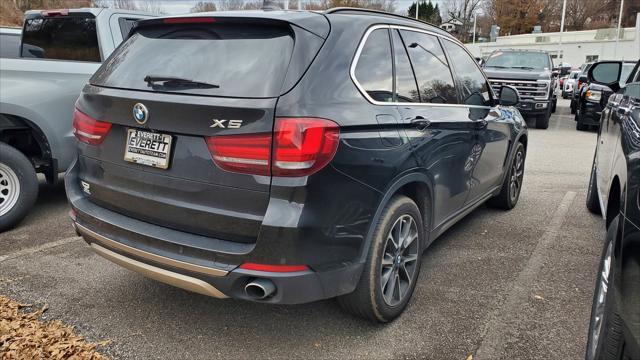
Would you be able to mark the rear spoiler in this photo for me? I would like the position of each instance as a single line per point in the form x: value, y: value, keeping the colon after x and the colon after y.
x: 312, y: 22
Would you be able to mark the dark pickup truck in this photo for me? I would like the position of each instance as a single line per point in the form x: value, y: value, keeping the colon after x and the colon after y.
x: 531, y: 72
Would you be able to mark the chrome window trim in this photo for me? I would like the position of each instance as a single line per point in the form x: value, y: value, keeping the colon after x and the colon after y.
x: 354, y: 63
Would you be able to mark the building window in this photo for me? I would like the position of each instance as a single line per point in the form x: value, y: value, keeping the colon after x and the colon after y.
x: 591, y: 58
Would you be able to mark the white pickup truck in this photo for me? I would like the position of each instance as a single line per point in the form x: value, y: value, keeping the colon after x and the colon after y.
x: 59, y: 51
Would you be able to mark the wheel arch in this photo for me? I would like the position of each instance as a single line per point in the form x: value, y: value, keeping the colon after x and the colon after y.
x: 28, y: 138
x: 614, y: 201
x: 414, y: 185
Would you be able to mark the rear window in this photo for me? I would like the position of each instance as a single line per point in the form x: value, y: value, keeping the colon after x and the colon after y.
x: 236, y: 60
x: 61, y: 38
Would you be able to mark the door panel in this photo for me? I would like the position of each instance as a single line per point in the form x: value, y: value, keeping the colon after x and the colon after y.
x: 442, y: 150
x: 492, y: 129
x: 439, y: 130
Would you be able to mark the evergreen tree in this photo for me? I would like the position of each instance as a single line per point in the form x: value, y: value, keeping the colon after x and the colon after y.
x: 426, y: 12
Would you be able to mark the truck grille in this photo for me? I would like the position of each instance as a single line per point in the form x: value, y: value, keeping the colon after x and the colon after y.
x: 529, y: 90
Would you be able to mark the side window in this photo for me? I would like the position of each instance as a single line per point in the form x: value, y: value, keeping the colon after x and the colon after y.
x: 126, y: 25
x: 475, y: 90
x: 374, y: 70
x: 406, y: 87
x: 434, y: 79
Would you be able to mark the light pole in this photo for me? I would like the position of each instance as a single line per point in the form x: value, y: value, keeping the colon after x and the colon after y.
x: 564, y: 8
x: 417, y: 7
x: 475, y: 17
x: 615, y: 50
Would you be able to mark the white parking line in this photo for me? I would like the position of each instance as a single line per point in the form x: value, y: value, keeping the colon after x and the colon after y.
x: 36, y: 249
x: 497, y: 331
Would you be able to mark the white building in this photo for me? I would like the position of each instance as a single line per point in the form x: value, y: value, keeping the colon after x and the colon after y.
x: 451, y: 25
x: 577, y: 47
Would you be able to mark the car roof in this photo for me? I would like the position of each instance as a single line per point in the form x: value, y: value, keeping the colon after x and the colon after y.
x: 317, y: 21
x: 396, y: 19
x: 522, y: 50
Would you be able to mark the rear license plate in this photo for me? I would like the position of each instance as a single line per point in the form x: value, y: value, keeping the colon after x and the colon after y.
x: 148, y: 148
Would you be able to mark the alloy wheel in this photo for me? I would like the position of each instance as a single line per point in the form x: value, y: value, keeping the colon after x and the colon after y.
x: 399, y: 260
x: 9, y: 189
x: 600, y: 302
x: 517, y: 174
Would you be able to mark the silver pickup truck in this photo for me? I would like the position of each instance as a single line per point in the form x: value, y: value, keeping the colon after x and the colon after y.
x: 59, y: 51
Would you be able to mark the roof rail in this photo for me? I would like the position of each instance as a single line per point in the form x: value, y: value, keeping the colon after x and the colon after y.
x: 377, y: 12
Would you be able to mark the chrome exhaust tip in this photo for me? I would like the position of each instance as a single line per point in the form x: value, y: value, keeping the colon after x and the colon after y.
x: 259, y: 289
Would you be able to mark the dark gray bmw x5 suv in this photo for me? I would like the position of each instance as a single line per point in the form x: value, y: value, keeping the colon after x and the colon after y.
x: 287, y: 157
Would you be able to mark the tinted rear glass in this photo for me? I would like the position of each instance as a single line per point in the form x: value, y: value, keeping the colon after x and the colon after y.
x: 61, y: 38
x: 239, y: 60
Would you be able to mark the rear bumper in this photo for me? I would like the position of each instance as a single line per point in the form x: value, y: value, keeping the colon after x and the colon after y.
x: 590, y: 113
x: 203, y: 265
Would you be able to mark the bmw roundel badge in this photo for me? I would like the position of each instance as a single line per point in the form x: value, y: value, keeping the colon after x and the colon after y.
x: 140, y: 113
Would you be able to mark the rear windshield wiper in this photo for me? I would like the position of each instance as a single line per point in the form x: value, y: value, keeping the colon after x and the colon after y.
x: 172, y: 81
x: 523, y: 67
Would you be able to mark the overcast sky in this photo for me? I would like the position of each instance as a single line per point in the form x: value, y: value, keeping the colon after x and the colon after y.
x: 183, y: 6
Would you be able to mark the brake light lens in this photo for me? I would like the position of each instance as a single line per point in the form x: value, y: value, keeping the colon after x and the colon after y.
x: 274, y: 268
x: 301, y: 147
x: 57, y: 12
x: 247, y: 154
x: 89, y: 130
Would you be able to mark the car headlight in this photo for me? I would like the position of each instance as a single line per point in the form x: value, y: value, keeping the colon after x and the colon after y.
x: 593, y: 95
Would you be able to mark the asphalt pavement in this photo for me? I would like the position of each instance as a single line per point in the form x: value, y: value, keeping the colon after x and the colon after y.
x: 498, y: 285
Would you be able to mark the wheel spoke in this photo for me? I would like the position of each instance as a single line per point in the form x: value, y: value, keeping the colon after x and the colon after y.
x: 387, y: 260
x: 385, y: 278
x: 391, y: 288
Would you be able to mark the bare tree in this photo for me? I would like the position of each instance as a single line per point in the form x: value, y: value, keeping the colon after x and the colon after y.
x: 381, y: 5
x: 463, y: 10
x: 203, y: 6
x: 150, y: 6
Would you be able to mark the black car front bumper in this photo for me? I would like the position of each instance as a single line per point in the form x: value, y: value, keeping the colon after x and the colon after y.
x: 535, y: 107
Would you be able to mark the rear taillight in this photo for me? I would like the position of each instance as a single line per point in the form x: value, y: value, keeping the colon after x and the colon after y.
x: 301, y: 147
x: 247, y: 154
x: 89, y: 130
x: 55, y: 12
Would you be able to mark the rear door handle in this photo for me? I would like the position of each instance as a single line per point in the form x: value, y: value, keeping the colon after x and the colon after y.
x: 420, y: 123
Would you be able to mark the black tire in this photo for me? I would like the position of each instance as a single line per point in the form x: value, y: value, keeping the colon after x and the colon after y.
x: 368, y: 300
x: 593, y: 203
x: 580, y: 126
x: 507, y: 199
x: 553, y: 105
x: 573, y: 107
x: 542, y: 121
x: 15, y: 168
x: 610, y: 342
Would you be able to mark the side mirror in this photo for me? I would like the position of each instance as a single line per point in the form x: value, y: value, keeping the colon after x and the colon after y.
x: 606, y: 73
x: 555, y: 72
x: 509, y: 96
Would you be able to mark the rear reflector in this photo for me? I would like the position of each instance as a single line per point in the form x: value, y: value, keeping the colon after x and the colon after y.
x: 189, y: 20
x: 89, y: 130
x: 274, y: 268
x: 301, y: 147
